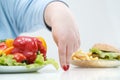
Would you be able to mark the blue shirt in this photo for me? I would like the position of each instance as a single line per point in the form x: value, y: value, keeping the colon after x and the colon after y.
x: 17, y: 16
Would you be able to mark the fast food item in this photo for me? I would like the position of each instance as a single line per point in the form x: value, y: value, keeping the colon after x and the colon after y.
x: 105, y: 51
x: 100, y: 55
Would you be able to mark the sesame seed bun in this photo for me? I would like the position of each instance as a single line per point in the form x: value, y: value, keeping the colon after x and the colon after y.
x: 106, y: 47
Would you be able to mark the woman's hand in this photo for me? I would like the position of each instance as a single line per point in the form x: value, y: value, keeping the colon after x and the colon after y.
x: 65, y: 31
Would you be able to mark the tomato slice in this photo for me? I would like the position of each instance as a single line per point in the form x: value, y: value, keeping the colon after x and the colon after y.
x: 3, y: 46
x: 19, y: 57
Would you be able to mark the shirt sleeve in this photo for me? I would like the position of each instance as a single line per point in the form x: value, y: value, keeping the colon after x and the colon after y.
x: 29, y: 14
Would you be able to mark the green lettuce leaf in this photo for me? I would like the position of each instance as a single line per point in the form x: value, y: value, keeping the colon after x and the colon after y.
x: 105, y: 55
x: 7, y: 60
x: 39, y: 62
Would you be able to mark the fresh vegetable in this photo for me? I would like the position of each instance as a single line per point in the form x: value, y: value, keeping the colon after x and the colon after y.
x: 43, y: 42
x: 19, y: 57
x: 40, y: 62
x: 9, y: 42
x: 1, y: 51
x: 8, y: 50
x: 28, y: 46
x: 25, y: 51
x: 42, y: 46
x: 8, y: 60
x: 2, y: 41
x: 3, y: 46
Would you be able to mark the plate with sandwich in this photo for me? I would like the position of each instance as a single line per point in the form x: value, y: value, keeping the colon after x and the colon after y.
x: 101, y: 55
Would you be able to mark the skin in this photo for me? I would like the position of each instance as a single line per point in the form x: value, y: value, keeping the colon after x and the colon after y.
x: 64, y: 30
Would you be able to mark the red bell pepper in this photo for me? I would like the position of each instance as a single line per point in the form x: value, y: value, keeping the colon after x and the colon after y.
x: 42, y: 49
x: 28, y: 46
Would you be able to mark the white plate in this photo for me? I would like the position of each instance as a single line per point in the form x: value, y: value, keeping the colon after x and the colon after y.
x: 17, y: 69
x: 96, y: 63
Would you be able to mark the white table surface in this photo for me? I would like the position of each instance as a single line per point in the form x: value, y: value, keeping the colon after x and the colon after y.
x: 75, y: 73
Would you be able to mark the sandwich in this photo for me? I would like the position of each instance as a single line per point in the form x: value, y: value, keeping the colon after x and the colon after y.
x: 100, y: 55
x: 105, y: 51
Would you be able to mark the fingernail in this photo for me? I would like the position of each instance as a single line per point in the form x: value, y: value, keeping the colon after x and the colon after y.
x: 68, y: 66
x: 65, y: 67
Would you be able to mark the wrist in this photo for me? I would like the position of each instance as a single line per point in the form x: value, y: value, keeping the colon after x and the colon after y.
x: 55, y: 12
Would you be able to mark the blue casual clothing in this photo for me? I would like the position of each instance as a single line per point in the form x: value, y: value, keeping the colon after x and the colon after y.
x: 17, y: 16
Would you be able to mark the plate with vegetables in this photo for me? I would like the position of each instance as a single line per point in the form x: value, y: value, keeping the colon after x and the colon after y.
x: 101, y: 55
x: 24, y: 54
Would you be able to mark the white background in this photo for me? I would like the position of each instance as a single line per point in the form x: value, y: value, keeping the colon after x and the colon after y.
x: 98, y: 21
